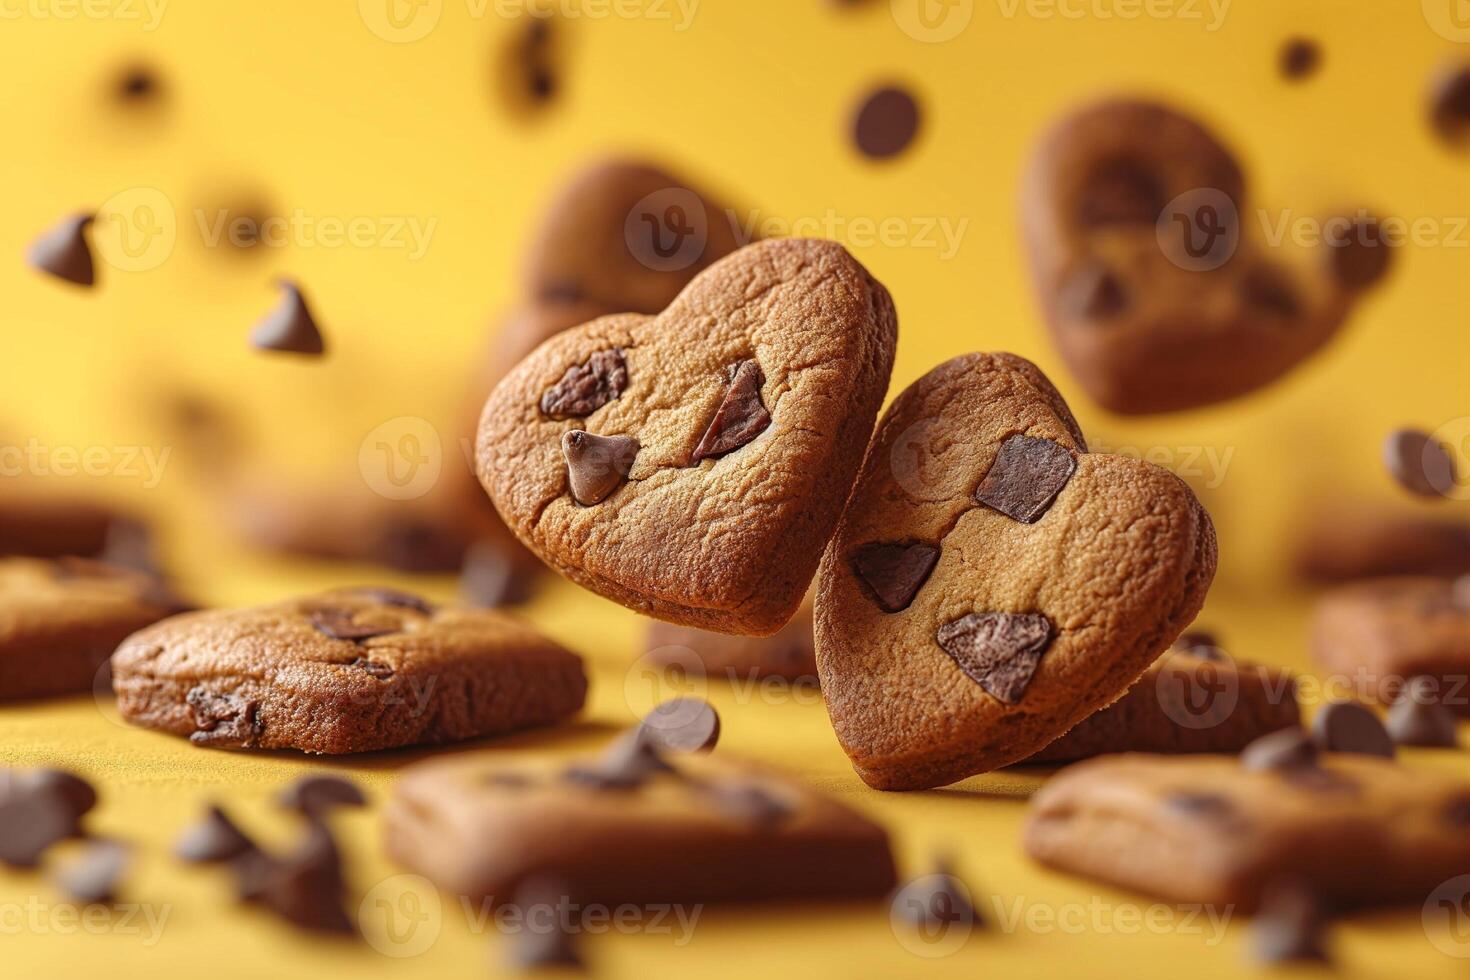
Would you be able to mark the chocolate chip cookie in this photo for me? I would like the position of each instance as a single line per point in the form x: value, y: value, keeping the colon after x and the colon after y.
x: 788, y: 653
x: 60, y: 620
x: 353, y: 670
x: 631, y: 826
x: 992, y: 583
x: 692, y: 465
x: 1189, y: 701
x: 1357, y: 829
x: 42, y: 523
x: 1379, y: 634
x: 1159, y: 295
x: 1346, y: 542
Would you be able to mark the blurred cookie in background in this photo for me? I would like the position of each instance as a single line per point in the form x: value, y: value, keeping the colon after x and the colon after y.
x: 789, y: 653
x: 1346, y: 541
x: 44, y: 521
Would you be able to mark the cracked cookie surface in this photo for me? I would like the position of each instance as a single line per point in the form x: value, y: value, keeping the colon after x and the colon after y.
x: 1033, y: 616
x: 748, y: 403
x: 352, y: 670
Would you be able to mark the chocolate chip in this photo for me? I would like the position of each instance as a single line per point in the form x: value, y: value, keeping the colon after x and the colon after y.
x: 586, y: 387
x: 1300, y: 58
x: 138, y: 84
x: 1418, y: 718
x: 1420, y: 463
x: 92, y: 879
x: 338, y: 624
x: 935, y: 902
x: 29, y: 824
x: 1450, y: 109
x: 1347, y: 726
x: 74, y: 793
x: 998, y: 651
x: 681, y: 725
x: 1093, y: 292
x: 63, y: 251
x: 741, y: 416
x: 534, y: 59
x: 1289, y: 748
x: 543, y: 941
x: 1268, y: 290
x: 1290, y: 924
x: 1360, y: 256
x: 748, y: 803
x: 373, y: 668
x: 223, y: 720
x: 627, y: 764
x: 1026, y: 477
x: 394, y: 597
x: 886, y: 123
x: 894, y: 573
x: 215, y: 838
x: 252, y: 870
x: 597, y: 465
x: 317, y: 796
x: 289, y: 328
x: 1212, y: 806
x: 306, y: 888
x: 1121, y: 191
x: 490, y: 578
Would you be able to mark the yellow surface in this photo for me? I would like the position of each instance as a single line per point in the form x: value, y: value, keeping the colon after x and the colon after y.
x: 297, y: 104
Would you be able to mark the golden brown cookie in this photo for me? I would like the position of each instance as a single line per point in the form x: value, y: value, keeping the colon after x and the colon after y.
x: 1189, y: 701
x: 692, y: 465
x: 1356, y: 829
x: 992, y: 583
x: 1346, y: 542
x: 353, y: 670
x: 61, y: 619
x: 41, y: 523
x: 788, y: 653
x: 631, y: 827
x: 1161, y: 292
x: 1377, y: 635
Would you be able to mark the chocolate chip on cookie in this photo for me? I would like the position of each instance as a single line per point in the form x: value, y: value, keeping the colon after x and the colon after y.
x: 587, y: 387
x: 1420, y: 463
x: 338, y: 624
x: 1347, y: 726
x: 1418, y: 718
x: 629, y: 762
x: 290, y: 327
x: 741, y: 416
x: 597, y: 465
x: 998, y: 651
x: 63, y: 251
x: 1290, y: 748
x: 894, y: 572
x: 92, y: 878
x: 1026, y: 477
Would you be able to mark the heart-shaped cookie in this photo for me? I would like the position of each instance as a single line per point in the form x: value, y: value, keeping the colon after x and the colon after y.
x: 1164, y: 288
x: 991, y: 582
x: 693, y: 465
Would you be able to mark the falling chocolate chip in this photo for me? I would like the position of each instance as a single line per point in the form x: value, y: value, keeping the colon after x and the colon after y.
x: 597, y: 465
x: 63, y: 251
x: 75, y: 794
x: 998, y: 651
x: 1290, y: 748
x: 252, y: 871
x: 1418, y: 718
x: 491, y: 578
x: 1026, y: 477
x: 886, y: 123
x: 894, y: 572
x: 1450, y: 107
x: 1268, y: 290
x: 747, y: 802
x: 1093, y: 292
x: 289, y: 328
x: 138, y: 84
x: 395, y: 597
x: 627, y: 764
x: 1290, y: 924
x: 543, y: 941
x: 338, y: 624
x: 1300, y: 58
x: 935, y: 902
x: 681, y: 725
x: 1120, y: 191
x: 223, y: 720
x: 586, y: 387
x: 213, y: 839
x: 1359, y: 256
x: 1347, y: 726
x: 1420, y: 463
x: 741, y: 416
x: 317, y: 796
x: 306, y: 888
x: 29, y: 824
x: 92, y: 879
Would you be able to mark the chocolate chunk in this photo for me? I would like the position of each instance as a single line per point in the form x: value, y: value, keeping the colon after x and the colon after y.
x: 1359, y: 257
x: 394, y: 597
x: 306, y: 888
x: 92, y: 879
x: 1093, y: 292
x: 1121, y: 191
x: 1420, y: 463
x: 586, y: 387
x: 491, y: 578
x: 63, y: 251
x: 1300, y: 58
x: 317, y: 796
x: 1268, y: 290
x: 1450, y: 110
x: 373, y: 668
x: 1347, y: 726
x: 1290, y: 924
x: 999, y: 651
x: 29, y: 824
x: 544, y: 939
x: 72, y: 792
x: 627, y: 764
x: 894, y: 573
x: 213, y: 839
x: 597, y: 465
x: 886, y: 123
x: 289, y: 328
x: 1418, y: 718
x: 1290, y: 748
x: 681, y: 725
x: 338, y: 624
x: 741, y: 416
x: 748, y: 803
x: 1201, y: 804
x: 935, y: 902
x: 223, y: 720
x: 1026, y: 477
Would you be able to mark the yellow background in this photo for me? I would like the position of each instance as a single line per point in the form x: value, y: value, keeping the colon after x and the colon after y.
x: 298, y: 104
